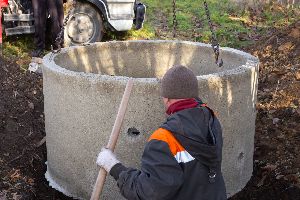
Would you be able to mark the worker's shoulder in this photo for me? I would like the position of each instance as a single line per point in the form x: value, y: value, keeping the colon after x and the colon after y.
x: 166, y: 136
x: 161, y: 134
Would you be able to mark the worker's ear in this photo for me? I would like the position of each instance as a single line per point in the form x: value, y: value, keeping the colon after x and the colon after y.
x: 166, y: 101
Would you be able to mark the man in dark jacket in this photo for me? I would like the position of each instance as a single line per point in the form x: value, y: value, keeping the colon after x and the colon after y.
x: 40, y: 10
x: 182, y: 159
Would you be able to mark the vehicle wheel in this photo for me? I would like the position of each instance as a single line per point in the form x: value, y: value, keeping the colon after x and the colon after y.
x: 84, y: 26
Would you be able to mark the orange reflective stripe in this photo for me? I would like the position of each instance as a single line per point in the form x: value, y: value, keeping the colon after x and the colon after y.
x: 166, y: 136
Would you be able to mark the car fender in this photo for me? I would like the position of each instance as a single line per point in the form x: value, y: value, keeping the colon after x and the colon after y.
x: 114, y: 24
x: 102, y: 6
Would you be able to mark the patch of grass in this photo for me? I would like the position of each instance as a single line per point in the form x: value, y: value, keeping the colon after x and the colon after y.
x: 147, y: 32
x: 185, y: 21
x: 275, y: 15
x: 18, y: 48
x: 191, y: 11
x: 235, y: 26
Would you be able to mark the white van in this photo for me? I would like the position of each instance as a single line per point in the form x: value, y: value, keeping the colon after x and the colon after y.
x: 87, y: 23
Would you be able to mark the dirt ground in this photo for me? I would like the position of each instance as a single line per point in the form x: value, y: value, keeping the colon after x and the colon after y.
x: 22, y: 156
x: 277, y: 141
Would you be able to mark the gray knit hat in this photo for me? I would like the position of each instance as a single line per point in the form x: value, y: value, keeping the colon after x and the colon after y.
x: 179, y: 82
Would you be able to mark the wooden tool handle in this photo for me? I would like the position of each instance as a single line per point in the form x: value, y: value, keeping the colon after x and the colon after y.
x: 113, y: 139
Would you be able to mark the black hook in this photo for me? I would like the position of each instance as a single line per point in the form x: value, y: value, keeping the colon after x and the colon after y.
x: 219, y: 62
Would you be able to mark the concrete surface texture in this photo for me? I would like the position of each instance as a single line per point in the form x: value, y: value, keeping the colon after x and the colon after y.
x: 83, y: 87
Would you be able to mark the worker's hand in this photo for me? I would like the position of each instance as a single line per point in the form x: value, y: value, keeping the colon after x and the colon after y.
x: 107, y: 159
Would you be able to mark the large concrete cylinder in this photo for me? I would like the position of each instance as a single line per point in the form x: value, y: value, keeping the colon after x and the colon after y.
x: 83, y: 87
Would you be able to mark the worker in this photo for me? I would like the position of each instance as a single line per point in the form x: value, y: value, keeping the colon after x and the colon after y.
x: 182, y: 158
x: 42, y: 9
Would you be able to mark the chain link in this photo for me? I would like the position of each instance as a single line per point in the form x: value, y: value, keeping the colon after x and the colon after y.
x: 174, y: 19
x: 59, y: 37
x: 214, y: 42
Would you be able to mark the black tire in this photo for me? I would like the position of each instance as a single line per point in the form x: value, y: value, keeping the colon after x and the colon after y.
x: 84, y: 26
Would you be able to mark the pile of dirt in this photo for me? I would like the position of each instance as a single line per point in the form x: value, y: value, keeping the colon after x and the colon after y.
x: 277, y: 140
x: 22, y: 151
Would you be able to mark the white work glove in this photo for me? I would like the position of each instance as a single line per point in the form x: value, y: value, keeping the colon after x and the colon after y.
x: 107, y: 159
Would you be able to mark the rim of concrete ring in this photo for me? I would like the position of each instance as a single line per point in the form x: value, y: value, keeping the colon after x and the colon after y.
x: 50, y: 64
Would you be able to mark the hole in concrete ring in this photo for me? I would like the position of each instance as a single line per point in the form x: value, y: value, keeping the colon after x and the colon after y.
x: 133, y: 132
x: 241, y: 156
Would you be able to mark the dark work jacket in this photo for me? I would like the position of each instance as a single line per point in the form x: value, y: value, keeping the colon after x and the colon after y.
x: 181, y: 161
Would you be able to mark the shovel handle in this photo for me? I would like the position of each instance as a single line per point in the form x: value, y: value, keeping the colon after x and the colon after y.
x: 113, y: 139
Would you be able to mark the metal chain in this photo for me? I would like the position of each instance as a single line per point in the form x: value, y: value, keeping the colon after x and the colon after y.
x: 59, y: 37
x: 214, y: 42
x: 174, y: 19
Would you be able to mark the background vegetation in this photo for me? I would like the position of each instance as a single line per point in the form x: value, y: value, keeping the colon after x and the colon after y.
x: 236, y: 24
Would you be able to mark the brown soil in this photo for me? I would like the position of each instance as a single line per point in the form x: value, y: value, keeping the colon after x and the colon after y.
x: 277, y: 141
x: 22, y: 158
